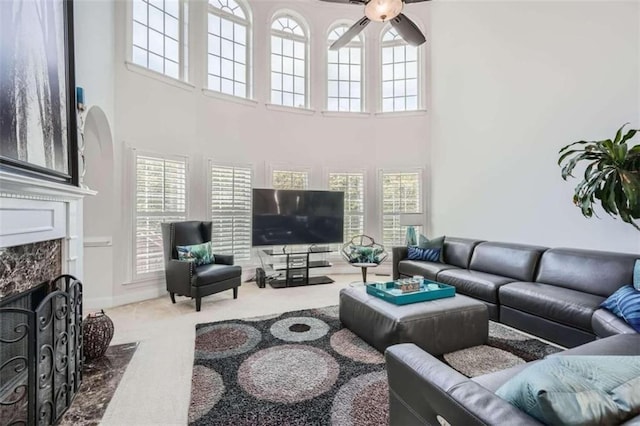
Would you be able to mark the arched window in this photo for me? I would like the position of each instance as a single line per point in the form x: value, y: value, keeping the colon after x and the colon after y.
x: 400, y: 83
x: 228, y: 48
x: 344, y: 73
x: 288, y: 62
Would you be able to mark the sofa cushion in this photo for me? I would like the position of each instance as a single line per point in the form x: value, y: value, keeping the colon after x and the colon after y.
x: 209, y: 274
x: 457, y: 251
x: 569, y: 307
x: 577, y: 389
x: 476, y: 284
x: 516, y: 261
x: 428, y: 270
x: 595, y: 272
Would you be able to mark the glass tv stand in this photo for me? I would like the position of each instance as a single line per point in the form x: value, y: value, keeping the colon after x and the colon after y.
x: 293, y: 267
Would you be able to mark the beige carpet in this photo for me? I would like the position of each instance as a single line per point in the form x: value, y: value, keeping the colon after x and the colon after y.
x: 156, y: 386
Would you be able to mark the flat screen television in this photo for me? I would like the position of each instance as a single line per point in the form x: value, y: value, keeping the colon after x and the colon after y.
x: 287, y: 217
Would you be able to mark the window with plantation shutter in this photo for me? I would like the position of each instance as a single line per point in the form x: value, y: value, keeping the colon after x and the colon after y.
x: 401, y: 193
x: 231, y: 210
x: 290, y: 179
x: 161, y: 196
x: 352, y: 184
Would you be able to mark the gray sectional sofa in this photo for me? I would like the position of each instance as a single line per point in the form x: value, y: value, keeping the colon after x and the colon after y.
x: 425, y: 391
x: 554, y: 293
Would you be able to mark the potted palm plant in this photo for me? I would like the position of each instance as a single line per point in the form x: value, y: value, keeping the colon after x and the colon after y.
x: 611, y: 176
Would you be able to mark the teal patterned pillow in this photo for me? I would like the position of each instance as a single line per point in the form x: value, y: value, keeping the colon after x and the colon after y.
x: 434, y: 243
x: 201, y: 254
x: 636, y: 275
x: 365, y: 254
x: 577, y: 390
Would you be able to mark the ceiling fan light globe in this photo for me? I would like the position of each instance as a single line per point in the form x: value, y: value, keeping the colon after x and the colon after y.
x: 383, y: 10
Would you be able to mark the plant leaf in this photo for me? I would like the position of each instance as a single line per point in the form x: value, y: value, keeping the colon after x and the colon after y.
x: 608, y: 198
x: 631, y: 188
x: 568, y: 168
x: 631, y: 133
x: 568, y: 153
x: 572, y: 144
x: 612, y: 175
x: 619, y: 133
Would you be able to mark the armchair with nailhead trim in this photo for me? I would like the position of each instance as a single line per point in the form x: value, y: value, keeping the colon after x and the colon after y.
x: 186, y: 279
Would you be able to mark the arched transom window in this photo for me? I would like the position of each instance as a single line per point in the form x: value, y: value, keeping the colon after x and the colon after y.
x: 344, y: 73
x: 400, y: 83
x: 288, y: 62
x: 228, y: 48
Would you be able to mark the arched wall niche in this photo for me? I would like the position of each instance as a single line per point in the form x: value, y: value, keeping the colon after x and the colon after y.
x: 99, y: 174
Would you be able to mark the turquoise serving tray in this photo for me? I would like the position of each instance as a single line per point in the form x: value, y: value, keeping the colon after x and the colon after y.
x: 389, y: 293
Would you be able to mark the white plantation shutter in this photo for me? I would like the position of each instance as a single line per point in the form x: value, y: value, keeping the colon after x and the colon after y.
x: 290, y: 179
x: 161, y: 196
x: 352, y: 184
x: 231, y: 210
x: 401, y: 193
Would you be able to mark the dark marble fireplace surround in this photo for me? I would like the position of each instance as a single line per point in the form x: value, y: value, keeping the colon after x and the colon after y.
x: 26, y: 266
x: 40, y: 334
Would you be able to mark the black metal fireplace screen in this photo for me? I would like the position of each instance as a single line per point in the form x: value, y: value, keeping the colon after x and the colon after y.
x: 40, y: 352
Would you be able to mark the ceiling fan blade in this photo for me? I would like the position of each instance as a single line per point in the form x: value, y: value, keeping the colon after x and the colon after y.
x: 408, y: 30
x: 350, y: 34
x: 406, y: 1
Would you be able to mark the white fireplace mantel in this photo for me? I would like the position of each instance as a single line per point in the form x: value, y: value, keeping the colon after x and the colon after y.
x: 34, y: 210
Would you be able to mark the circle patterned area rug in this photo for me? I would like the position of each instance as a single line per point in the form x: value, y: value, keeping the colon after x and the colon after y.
x: 305, y: 368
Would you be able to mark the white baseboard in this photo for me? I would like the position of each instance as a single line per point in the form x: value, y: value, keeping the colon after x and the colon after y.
x: 156, y: 288
x: 150, y: 292
x: 96, y: 303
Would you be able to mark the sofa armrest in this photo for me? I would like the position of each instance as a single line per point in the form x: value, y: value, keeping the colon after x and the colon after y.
x: 223, y: 259
x: 398, y: 253
x: 424, y: 390
x: 605, y: 324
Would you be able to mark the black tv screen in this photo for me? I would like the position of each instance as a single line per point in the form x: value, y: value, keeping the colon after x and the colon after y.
x: 284, y: 217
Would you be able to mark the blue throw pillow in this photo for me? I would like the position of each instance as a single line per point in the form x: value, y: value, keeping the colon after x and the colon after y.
x: 636, y: 275
x: 434, y: 243
x: 429, y: 255
x: 625, y: 303
x: 577, y: 390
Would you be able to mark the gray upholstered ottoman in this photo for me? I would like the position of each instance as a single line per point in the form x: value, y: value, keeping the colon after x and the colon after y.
x: 437, y: 326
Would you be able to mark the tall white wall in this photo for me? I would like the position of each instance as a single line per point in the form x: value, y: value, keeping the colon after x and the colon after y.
x: 154, y: 116
x: 511, y: 83
x: 507, y: 84
x: 94, y: 25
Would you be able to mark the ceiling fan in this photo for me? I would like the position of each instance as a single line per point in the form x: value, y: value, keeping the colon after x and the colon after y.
x: 381, y: 11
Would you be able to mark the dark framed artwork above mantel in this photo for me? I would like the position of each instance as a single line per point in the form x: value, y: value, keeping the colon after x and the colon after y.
x: 38, y: 133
